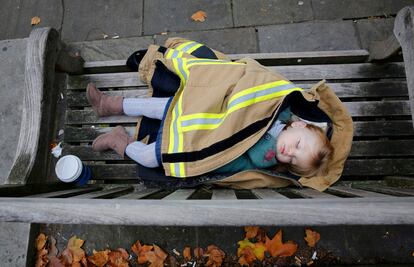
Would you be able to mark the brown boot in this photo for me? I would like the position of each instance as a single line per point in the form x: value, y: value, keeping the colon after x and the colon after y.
x: 102, y: 104
x: 117, y: 140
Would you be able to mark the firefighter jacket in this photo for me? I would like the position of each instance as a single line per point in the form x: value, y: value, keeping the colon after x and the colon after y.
x: 221, y: 108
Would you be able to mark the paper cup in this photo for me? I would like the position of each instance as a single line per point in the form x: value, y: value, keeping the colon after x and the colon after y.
x: 70, y: 169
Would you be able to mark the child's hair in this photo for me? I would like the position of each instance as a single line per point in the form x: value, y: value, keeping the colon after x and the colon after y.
x: 320, y: 159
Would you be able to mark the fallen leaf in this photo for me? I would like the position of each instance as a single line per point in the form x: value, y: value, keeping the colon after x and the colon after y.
x: 35, y: 20
x: 99, y: 258
x: 156, y: 257
x: 187, y: 253
x: 215, y: 256
x: 53, y: 251
x: 277, y: 248
x: 118, y: 258
x: 66, y: 257
x: 55, y: 262
x: 141, y: 251
x: 312, y: 237
x: 199, y: 16
x: 258, y: 249
x: 198, y: 252
x: 251, y: 231
x: 247, y: 256
x: 74, y: 245
x: 41, y: 241
x: 41, y: 258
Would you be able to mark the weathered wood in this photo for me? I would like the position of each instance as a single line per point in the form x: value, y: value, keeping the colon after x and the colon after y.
x: 341, y: 211
x: 386, y: 189
x: 311, y: 193
x: 139, y: 194
x: 399, y: 181
x: 353, y: 167
x: 311, y: 57
x: 30, y: 189
x: 378, y: 167
x: 356, y: 109
x: 223, y: 194
x: 37, y: 104
x: 379, y: 50
x: 180, y: 194
x: 67, y: 193
x: 404, y: 31
x: 267, y: 194
x: 352, y: 192
x: 302, y: 73
x: 110, y: 193
x: 77, y: 98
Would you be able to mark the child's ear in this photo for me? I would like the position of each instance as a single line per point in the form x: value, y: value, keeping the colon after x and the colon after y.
x: 298, y: 124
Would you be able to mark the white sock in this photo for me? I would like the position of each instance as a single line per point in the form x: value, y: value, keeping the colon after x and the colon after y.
x: 150, y: 107
x: 143, y: 154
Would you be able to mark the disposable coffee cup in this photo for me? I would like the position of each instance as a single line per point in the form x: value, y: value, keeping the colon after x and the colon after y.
x: 70, y: 169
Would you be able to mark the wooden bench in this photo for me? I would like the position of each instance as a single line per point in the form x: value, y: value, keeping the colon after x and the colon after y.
x: 376, y: 179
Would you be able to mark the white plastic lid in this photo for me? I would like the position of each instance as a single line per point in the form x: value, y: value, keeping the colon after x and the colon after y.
x: 68, y: 168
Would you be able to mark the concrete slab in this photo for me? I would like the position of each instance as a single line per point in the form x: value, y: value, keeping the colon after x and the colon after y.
x: 341, y: 9
x: 12, y: 62
x: 169, y: 16
x: 308, y: 36
x: 374, y: 30
x: 91, y: 20
x: 15, y: 17
x: 14, y: 244
x: 111, y: 49
x: 252, y: 12
x: 230, y: 41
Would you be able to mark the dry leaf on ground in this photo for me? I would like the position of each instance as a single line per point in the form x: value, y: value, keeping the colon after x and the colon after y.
x: 247, y: 256
x: 277, y: 248
x: 156, y: 257
x: 99, y: 258
x: 35, y: 20
x: 312, y: 237
x: 118, y: 258
x: 141, y: 251
x: 74, y: 245
x: 199, y: 16
x: 198, y: 252
x: 41, y: 251
x: 215, y: 256
x: 251, y: 231
x: 187, y: 253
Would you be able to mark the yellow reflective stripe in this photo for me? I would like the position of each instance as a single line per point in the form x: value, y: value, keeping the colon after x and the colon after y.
x: 181, y: 69
x: 222, y: 116
x: 193, y: 48
x: 189, y: 47
x: 257, y: 88
x: 176, y: 139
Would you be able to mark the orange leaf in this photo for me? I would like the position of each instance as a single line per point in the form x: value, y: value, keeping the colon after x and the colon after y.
x: 74, y: 245
x: 198, y: 252
x: 35, y: 20
x: 99, y: 258
x: 141, y: 251
x: 259, y: 250
x: 41, y: 241
x: 41, y: 258
x: 187, y: 253
x: 215, y: 256
x: 118, y: 258
x: 66, y: 257
x: 277, y: 248
x: 55, y: 262
x: 251, y: 231
x: 312, y: 237
x: 247, y: 256
x: 199, y: 16
x: 156, y: 257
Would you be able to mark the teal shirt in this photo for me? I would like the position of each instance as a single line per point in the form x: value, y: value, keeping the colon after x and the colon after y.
x: 261, y: 155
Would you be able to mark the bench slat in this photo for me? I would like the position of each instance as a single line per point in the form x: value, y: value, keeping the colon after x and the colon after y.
x: 359, y: 149
x: 356, y: 109
x: 139, y: 194
x: 311, y: 193
x: 223, y: 194
x: 352, y: 192
x: 273, y: 58
x: 180, y: 194
x: 67, y: 193
x: 353, y: 167
x: 302, y: 72
x: 107, y: 193
x: 386, y: 189
x: 267, y: 194
x: 357, y: 90
x: 361, y: 128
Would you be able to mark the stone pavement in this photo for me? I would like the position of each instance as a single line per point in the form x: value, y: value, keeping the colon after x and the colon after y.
x: 105, y: 29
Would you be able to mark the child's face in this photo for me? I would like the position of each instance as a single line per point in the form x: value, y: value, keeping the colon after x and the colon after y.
x: 297, y: 144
